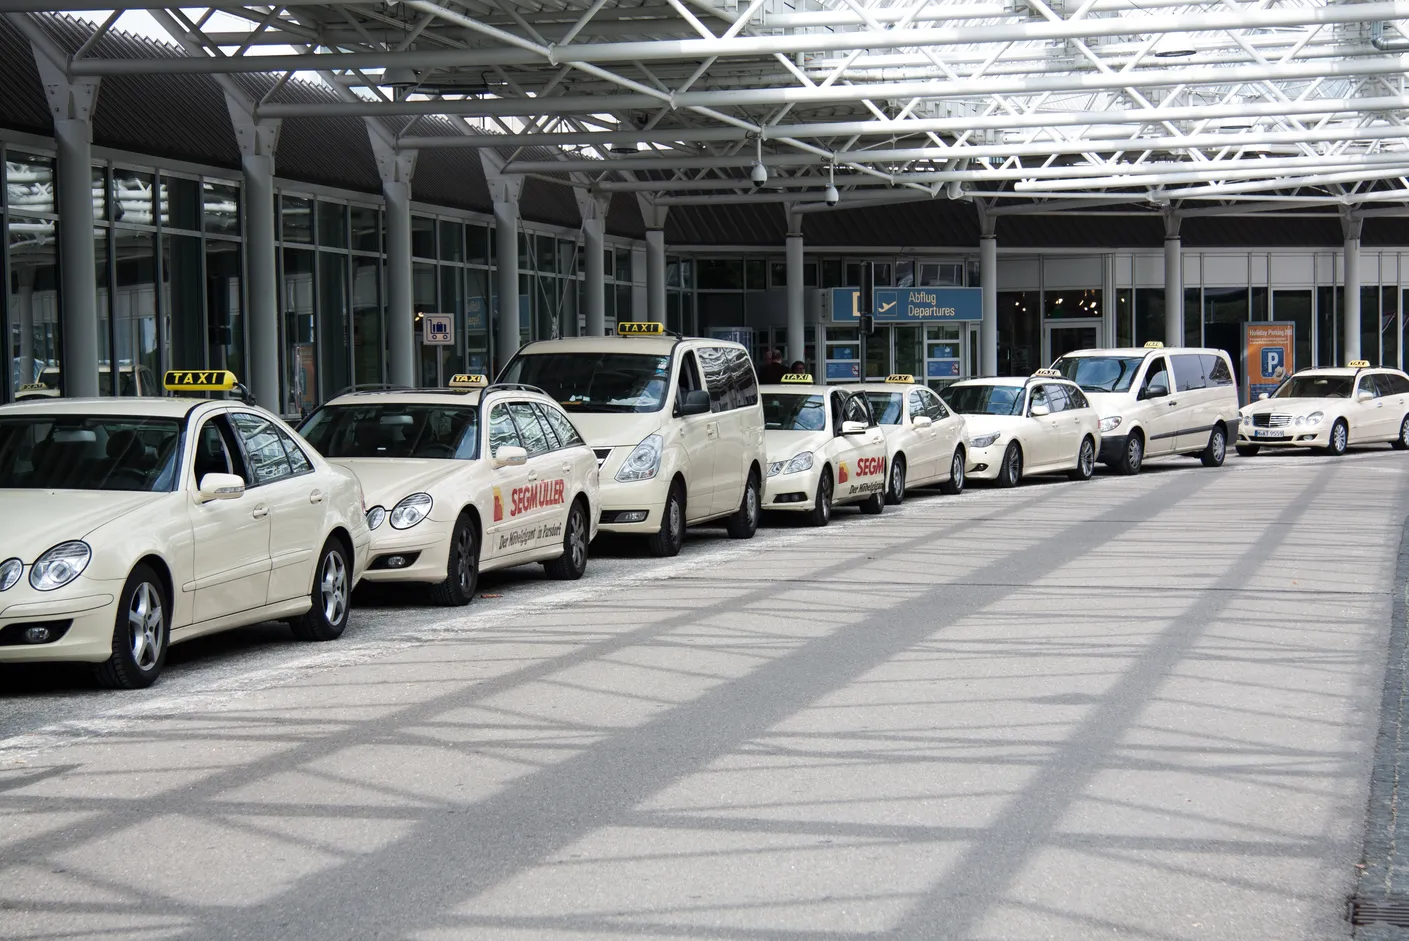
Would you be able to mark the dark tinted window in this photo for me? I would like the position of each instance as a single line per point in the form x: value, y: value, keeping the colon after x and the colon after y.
x: 1398, y: 384
x: 934, y: 406
x: 1189, y: 371
x: 595, y: 382
x: 855, y: 410
x: 531, y: 430
x: 74, y: 452
x: 1100, y: 373
x: 1076, y: 398
x: 785, y: 412
x: 562, y: 426
x: 392, y: 429
x: 745, y: 381
x: 688, y: 381
x: 715, y: 365
x: 982, y: 399
x: 1216, y: 369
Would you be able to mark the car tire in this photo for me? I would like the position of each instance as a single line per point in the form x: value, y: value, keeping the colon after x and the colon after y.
x: 666, y: 541
x: 572, y: 564
x: 895, y: 483
x: 1339, y: 439
x: 1012, y: 470
x: 461, y: 566
x: 1402, y: 442
x: 874, y: 504
x: 1216, y: 450
x: 1248, y: 450
x: 330, y: 596
x: 141, y: 633
x: 957, y: 469
x: 821, y: 513
x: 1132, y: 456
x: 744, y: 521
x: 1085, y: 460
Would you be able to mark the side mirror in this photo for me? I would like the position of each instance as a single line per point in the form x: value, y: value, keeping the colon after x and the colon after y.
x: 510, y: 456
x: 922, y: 421
x: 1157, y: 390
x: 853, y: 428
x: 1038, y: 411
x: 1262, y: 396
x: 696, y: 403
x: 1364, y: 395
x: 220, y: 487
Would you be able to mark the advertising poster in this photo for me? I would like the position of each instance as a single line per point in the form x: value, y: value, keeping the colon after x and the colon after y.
x: 1267, y: 356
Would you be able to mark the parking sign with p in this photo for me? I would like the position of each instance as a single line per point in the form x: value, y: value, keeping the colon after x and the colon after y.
x: 1273, y: 358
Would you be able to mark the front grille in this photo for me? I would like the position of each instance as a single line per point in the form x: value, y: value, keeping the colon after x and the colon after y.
x: 602, y: 455
x: 1268, y: 420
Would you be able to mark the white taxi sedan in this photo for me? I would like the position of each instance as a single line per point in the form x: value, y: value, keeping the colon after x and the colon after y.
x: 1330, y: 409
x: 464, y: 480
x: 924, y: 438
x: 135, y: 523
x: 824, y: 449
x: 1018, y: 427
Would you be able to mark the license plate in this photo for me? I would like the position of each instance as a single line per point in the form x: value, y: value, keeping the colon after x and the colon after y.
x: 1270, y: 435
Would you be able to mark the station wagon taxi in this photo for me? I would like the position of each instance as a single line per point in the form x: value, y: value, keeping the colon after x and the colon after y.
x: 464, y: 480
x: 1019, y: 427
x: 1330, y: 409
x: 135, y: 523
x: 924, y: 438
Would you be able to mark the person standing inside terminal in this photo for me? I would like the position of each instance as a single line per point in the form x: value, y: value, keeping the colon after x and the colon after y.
x: 799, y: 367
x: 772, y: 371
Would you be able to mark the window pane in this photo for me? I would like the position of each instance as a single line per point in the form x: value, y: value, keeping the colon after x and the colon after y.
x: 1073, y: 303
x: 100, y: 272
x: 183, y: 296
x: 132, y: 197
x: 221, y: 207
x: 333, y: 342
x: 476, y: 244
x: 224, y: 312
x: 301, y: 384
x: 721, y: 274
x: 623, y: 264
x: 267, y: 458
x: 366, y: 228
x: 296, y: 218
x: 100, y: 194
x: 332, y: 225
x: 502, y: 432
x: 452, y: 241
x: 530, y: 430
x: 422, y: 237
x: 29, y: 181
x: 754, y: 277
x: 367, y: 343
x: 180, y: 203
x: 135, y: 302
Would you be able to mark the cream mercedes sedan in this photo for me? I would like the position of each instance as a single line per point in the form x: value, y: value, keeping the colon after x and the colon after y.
x: 135, y: 523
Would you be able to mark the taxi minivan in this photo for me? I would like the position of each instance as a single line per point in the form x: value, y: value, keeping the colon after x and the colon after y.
x: 676, y: 424
x: 1156, y: 401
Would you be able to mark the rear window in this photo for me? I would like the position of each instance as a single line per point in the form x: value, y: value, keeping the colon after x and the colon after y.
x: 785, y: 412
x: 387, y: 429
x: 985, y: 399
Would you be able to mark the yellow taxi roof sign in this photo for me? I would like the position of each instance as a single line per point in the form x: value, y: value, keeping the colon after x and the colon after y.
x: 636, y: 328
x: 1153, y: 345
x: 1054, y: 373
x: 900, y: 377
x: 468, y: 381
x: 32, y: 387
x: 1359, y: 364
x: 199, y: 380
x: 798, y: 377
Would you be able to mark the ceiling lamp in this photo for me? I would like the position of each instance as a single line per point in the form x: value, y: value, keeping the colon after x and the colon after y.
x: 399, y: 76
x: 1174, y: 46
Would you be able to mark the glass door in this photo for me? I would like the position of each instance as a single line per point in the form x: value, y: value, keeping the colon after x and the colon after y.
x: 1061, y: 337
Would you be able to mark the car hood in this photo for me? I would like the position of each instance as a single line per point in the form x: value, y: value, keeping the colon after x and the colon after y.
x: 1293, y: 406
x: 616, y: 429
x: 386, y: 480
x: 976, y: 426
x: 782, y: 445
x: 38, y: 519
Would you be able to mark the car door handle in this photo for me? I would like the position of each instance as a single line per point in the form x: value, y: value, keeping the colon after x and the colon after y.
x: 567, y: 467
x: 1171, y: 402
x: 533, y: 475
x: 315, y: 497
x: 260, y: 512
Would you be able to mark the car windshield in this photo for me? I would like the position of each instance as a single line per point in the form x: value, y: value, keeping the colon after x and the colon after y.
x: 596, y: 382
x: 981, y: 399
x: 86, y: 452
x: 795, y: 412
x: 394, y: 429
x: 1315, y: 387
x: 889, y: 407
x: 1100, y: 373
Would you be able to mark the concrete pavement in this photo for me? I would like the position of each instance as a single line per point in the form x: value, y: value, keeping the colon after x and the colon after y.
x: 1131, y: 708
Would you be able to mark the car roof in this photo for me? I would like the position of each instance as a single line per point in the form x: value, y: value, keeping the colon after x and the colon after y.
x: 1132, y: 351
x: 1013, y: 381
x: 157, y: 406
x: 799, y: 388
x: 468, y: 398
x: 1342, y: 370
x: 648, y: 345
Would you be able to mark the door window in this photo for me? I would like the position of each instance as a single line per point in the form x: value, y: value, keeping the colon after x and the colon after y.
x: 854, y: 409
x: 502, y: 432
x: 1216, y: 370
x: 1038, y: 397
x: 531, y: 431
x: 562, y: 426
x: 1188, y: 371
x: 297, y: 459
x: 1156, y: 374
x: 1398, y: 385
x: 215, y: 453
x: 1368, y: 384
x: 715, y: 364
x: 1075, y: 397
x: 917, y: 404
x: 688, y: 381
x: 268, y: 460
x: 1056, y: 397
x: 934, y: 405
x: 745, y: 382
x: 838, y: 401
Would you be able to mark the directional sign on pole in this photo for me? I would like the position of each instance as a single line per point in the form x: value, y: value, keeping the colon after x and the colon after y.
x: 438, y: 329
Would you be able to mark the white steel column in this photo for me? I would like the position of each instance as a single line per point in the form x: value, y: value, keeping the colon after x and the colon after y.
x: 396, y: 169
x: 79, y: 285
x: 797, y: 320
x: 654, y: 215
x: 1350, y: 337
x: 1173, y: 283
x: 988, y: 282
x: 594, y: 229
x: 258, y: 141
x: 504, y: 189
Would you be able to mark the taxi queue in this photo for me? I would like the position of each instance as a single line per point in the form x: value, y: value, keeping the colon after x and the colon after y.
x: 136, y: 523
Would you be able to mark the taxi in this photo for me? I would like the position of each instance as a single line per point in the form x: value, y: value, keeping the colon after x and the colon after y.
x: 135, y: 523
x: 824, y: 449
x: 1018, y: 427
x: 1329, y: 409
x: 464, y: 480
x: 924, y: 439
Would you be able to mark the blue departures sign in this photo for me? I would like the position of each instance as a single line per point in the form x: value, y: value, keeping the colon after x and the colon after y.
x: 910, y: 305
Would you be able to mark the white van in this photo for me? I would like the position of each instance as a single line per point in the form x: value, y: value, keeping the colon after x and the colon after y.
x: 676, y: 424
x: 1155, y: 401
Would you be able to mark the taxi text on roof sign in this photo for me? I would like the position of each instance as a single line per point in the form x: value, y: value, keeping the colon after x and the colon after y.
x: 1359, y: 364
x: 199, y: 380
x: 902, y: 377
x: 1154, y: 345
x: 463, y: 381
x: 33, y: 387
x: 639, y: 328
x: 798, y: 377
x: 1055, y: 373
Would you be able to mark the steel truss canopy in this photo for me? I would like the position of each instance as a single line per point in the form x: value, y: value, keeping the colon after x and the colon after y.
x: 1162, y: 106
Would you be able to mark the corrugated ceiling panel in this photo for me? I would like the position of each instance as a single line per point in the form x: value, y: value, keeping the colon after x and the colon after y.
x: 624, y: 217
x: 22, y: 106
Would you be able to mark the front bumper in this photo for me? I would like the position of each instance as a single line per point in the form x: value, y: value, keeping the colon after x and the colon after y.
x: 1112, y: 448
x: 83, y: 616
x: 985, y: 463
x: 428, y: 540
x: 796, y: 492
x: 637, y: 496
x: 1317, y: 436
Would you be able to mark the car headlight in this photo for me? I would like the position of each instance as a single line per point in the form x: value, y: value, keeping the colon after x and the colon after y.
x: 375, y: 517
x: 643, y: 463
x: 775, y: 468
x: 1315, y: 418
x: 10, y: 571
x: 984, y: 441
x: 1110, y: 424
x: 799, y: 463
x: 1247, y: 419
x: 60, y: 565
x: 410, y: 511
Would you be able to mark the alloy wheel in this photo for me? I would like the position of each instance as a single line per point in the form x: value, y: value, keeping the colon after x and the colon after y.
x: 334, y: 588
x: 145, y: 620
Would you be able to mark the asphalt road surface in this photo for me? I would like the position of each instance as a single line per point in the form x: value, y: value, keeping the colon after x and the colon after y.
x: 1131, y: 708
